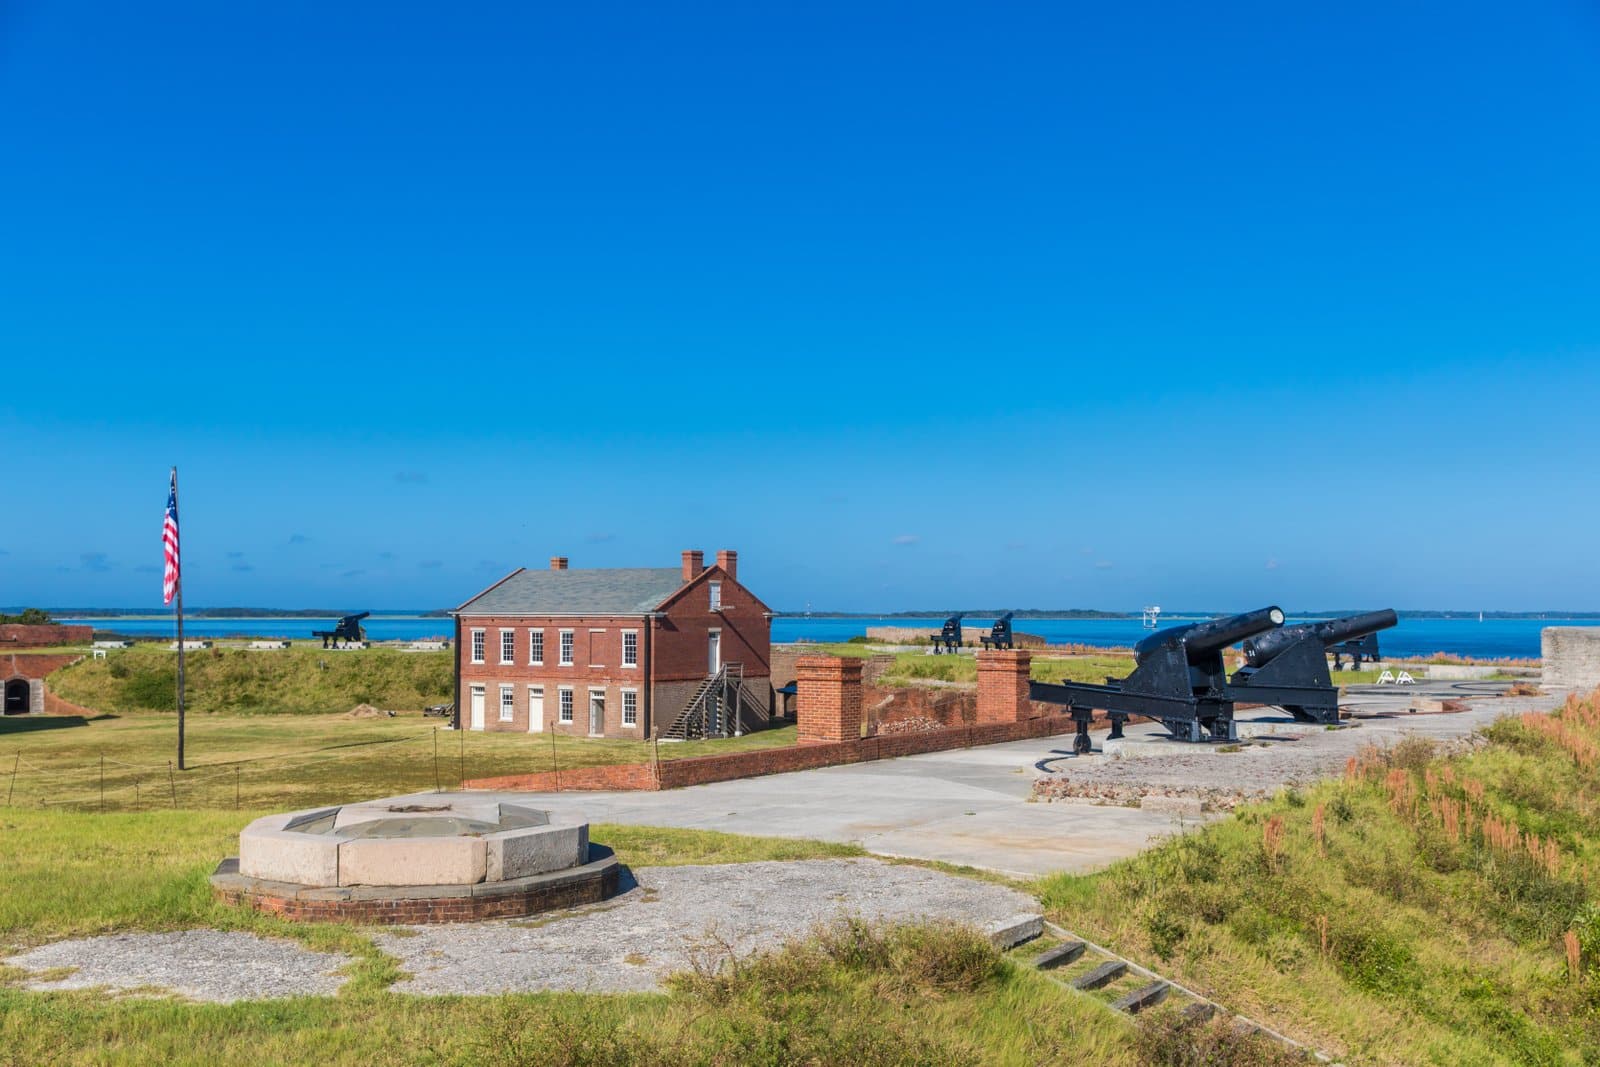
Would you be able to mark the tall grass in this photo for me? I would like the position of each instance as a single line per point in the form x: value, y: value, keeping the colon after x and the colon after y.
x: 1417, y: 910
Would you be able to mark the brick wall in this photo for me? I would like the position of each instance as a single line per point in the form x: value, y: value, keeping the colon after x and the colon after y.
x: 616, y: 776
x: 945, y: 705
x: 16, y: 635
x: 15, y: 665
x: 1571, y: 656
x: 701, y: 770
x: 1003, y: 685
x: 828, y: 705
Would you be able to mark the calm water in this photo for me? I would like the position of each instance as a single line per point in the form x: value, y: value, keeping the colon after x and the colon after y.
x: 1466, y: 637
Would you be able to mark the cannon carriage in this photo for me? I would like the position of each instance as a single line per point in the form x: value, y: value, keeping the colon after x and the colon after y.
x: 1181, y: 681
x: 1000, y: 633
x: 948, y: 639
x: 348, y: 629
x: 1288, y: 667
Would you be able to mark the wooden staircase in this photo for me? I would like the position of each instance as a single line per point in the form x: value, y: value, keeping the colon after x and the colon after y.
x: 719, y: 707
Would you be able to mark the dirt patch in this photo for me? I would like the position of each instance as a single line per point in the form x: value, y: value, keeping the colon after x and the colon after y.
x: 367, y: 711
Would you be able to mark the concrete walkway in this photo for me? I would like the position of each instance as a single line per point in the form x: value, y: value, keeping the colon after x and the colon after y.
x: 969, y: 806
x: 972, y: 806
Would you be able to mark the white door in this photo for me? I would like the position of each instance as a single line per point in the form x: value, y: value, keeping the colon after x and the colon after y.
x: 597, y: 712
x: 535, y: 709
x: 477, y: 707
x: 714, y: 652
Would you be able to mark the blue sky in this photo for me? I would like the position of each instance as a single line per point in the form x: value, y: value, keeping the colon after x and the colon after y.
x: 914, y: 305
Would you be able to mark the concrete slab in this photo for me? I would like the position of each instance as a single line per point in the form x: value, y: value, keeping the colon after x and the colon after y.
x: 268, y: 851
x: 412, y: 861
x: 535, y: 850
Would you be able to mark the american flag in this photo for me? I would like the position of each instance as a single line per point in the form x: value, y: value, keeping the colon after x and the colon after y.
x: 169, y: 543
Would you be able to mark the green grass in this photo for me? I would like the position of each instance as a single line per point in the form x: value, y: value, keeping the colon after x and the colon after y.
x: 848, y: 995
x: 1392, y: 941
x: 286, y: 761
x: 913, y: 667
x: 301, y: 680
x: 927, y: 995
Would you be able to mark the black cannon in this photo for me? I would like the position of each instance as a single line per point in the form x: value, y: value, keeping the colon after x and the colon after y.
x: 1289, y: 666
x: 348, y: 630
x: 1179, y: 680
x: 949, y: 638
x: 1000, y: 633
x: 1360, y: 650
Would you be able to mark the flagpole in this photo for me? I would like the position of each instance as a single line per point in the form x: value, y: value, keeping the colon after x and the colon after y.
x: 179, y: 611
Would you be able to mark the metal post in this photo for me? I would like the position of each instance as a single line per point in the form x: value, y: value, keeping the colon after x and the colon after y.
x: 463, y: 734
x: 14, y: 765
x: 236, y: 770
x: 172, y: 782
x: 436, y: 759
x: 178, y: 608
x: 555, y: 764
x: 102, y: 783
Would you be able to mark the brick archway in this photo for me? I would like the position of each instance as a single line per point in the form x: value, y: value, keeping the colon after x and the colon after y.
x: 18, y: 696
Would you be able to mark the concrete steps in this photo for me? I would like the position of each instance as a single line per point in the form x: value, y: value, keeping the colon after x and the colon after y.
x: 1122, y: 985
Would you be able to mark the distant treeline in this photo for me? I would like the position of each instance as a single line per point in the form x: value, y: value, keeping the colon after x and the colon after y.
x: 1021, y: 613
x: 204, y: 613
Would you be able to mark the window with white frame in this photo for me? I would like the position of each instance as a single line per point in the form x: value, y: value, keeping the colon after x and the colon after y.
x: 565, y: 698
x: 716, y: 595
x: 477, y: 646
x: 508, y: 646
x: 630, y: 648
x: 536, y: 648
x: 508, y: 702
x: 566, y: 648
x: 630, y: 707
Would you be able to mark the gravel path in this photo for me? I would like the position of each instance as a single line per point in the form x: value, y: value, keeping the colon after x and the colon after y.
x: 627, y: 943
x: 1302, y: 753
x: 632, y: 941
x: 207, y: 965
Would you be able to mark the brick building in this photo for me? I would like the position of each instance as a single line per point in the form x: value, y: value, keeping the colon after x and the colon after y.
x: 616, y: 652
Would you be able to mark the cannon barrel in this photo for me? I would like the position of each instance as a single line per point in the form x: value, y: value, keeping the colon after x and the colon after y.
x: 1202, y: 638
x: 1264, y: 649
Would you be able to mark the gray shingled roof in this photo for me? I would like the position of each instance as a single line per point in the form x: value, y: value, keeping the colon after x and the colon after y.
x: 596, y: 591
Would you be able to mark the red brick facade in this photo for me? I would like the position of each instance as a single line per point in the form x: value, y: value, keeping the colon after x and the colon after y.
x: 669, y: 650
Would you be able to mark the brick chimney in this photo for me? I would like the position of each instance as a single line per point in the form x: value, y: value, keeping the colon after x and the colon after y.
x: 558, y: 563
x: 728, y: 560
x: 694, y: 561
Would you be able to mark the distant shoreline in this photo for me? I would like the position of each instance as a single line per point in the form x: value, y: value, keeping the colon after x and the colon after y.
x: 245, y: 613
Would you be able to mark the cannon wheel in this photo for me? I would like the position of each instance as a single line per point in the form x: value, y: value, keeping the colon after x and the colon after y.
x: 1081, y: 745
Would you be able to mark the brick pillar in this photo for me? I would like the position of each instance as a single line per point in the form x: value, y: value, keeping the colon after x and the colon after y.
x: 828, y: 698
x: 1003, y: 685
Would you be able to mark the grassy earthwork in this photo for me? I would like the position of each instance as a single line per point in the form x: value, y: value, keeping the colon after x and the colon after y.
x: 1418, y: 910
x: 1423, y: 908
